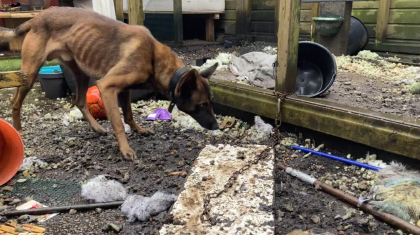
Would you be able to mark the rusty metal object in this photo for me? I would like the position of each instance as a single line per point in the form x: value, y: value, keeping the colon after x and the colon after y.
x: 391, y: 133
x: 388, y: 218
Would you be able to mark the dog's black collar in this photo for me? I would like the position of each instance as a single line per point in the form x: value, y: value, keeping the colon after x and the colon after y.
x: 172, y: 86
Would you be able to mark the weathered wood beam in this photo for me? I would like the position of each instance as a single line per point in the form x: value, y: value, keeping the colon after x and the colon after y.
x: 391, y: 133
x: 12, y: 79
x: 315, y: 13
x: 135, y: 12
x: 243, y: 17
x: 382, y: 22
x: 179, y: 31
x: 119, y: 10
x: 288, y: 43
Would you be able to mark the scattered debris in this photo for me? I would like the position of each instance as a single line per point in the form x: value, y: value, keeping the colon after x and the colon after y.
x: 11, y: 227
x: 142, y: 208
x: 100, y: 189
x: 32, y: 204
x: 72, y: 116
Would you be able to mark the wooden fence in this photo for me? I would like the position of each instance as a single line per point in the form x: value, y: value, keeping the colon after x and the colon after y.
x: 393, y: 25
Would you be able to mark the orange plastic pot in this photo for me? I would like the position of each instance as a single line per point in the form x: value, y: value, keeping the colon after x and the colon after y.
x: 11, y: 151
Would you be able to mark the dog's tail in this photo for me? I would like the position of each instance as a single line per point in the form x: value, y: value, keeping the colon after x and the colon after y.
x: 6, y: 35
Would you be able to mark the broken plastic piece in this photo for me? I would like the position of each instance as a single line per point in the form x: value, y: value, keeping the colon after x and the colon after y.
x: 162, y: 114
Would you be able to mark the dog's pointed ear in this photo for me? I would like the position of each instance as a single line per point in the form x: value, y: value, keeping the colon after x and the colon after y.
x: 188, y: 84
x: 209, y: 71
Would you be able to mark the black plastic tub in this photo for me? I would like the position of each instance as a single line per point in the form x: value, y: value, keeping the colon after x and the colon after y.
x: 358, y: 37
x: 53, y: 83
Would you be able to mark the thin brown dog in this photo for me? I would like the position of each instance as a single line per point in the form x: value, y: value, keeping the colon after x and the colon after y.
x: 120, y: 56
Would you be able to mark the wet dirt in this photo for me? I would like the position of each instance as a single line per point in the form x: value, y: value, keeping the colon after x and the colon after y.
x: 82, y: 154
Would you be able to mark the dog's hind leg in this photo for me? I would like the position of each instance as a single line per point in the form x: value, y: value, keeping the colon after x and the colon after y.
x: 82, y: 81
x: 125, y: 100
x: 33, y: 57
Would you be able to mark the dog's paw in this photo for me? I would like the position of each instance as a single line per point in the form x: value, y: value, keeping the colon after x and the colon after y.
x: 128, y: 154
x: 145, y: 131
x: 99, y: 129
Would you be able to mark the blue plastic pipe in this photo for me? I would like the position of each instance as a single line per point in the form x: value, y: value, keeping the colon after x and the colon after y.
x: 367, y: 166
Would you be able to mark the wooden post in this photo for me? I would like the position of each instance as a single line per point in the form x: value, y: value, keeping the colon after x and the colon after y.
x: 179, y: 31
x: 243, y: 17
x: 210, y: 28
x: 119, y: 10
x: 336, y: 44
x: 315, y: 13
x: 276, y: 18
x: 135, y: 12
x: 382, y: 21
x: 288, y: 43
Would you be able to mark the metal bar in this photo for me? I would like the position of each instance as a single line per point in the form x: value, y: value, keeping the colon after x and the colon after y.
x: 390, y: 133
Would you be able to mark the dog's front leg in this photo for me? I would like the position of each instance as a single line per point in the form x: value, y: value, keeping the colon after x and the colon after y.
x: 125, y: 101
x: 109, y: 88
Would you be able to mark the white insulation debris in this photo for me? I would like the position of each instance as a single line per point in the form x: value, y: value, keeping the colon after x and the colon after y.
x: 72, y: 116
x: 223, y: 59
x: 29, y: 162
x: 142, y: 208
x: 100, y: 189
x: 245, y: 208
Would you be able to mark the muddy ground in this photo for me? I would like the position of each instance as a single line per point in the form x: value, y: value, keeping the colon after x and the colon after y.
x: 75, y: 153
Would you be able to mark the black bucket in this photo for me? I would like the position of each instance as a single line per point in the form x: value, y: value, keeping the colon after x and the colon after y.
x: 358, y: 37
x: 317, y: 69
x: 53, y: 85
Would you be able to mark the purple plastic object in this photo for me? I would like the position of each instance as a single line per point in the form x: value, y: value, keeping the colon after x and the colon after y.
x: 162, y: 114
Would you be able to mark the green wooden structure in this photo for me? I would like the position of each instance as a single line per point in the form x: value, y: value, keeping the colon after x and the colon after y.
x: 398, y: 29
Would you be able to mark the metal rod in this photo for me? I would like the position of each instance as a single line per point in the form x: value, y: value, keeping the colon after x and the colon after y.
x: 50, y: 210
x: 367, y: 166
x: 387, y: 218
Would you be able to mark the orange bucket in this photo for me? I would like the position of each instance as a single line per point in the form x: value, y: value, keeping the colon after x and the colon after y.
x: 11, y: 151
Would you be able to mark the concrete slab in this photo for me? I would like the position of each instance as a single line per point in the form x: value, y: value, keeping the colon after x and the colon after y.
x: 246, y: 207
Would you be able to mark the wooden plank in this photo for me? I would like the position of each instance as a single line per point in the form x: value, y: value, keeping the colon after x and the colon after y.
x: 230, y: 5
x: 269, y: 15
x: 228, y: 15
x: 135, y: 12
x: 396, y: 16
x: 398, y: 31
x: 210, y: 30
x: 270, y: 5
x: 314, y: 13
x: 276, y: 18
x: 19, y: 15
x: 243, y: 17
x: 12, y: 79
x: 179, y: 31
x: 119, y: 10
x: 382, y: 20
x: 268, y: 27
x: 288, y: 42
x: 395, y: 4
x: 395, y: 46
